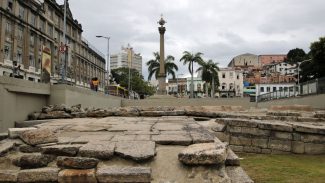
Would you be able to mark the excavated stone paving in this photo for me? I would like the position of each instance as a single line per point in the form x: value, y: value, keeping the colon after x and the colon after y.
x: 154, y: 147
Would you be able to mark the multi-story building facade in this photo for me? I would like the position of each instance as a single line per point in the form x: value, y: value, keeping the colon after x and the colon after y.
x: 126, y: 58
x: 271, y: 59
x: 231, y: 82
x: 29, y: 26
x: 198, y: 86
x: 177, y: 85
x: 283, y: 68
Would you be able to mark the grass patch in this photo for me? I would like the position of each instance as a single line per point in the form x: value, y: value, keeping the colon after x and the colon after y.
x: 265, y: 168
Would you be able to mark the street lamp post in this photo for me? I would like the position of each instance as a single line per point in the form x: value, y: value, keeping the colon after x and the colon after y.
x: 299, y: 63
x: 177, y: 82
x: 108, y: 64
x: 64, y: 63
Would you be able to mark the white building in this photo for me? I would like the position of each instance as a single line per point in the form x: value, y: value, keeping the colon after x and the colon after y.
x: 198, y: 86
x: 275, y: 90
x: 231, y: 82
x: 282, y: 68
x: 126, y: 58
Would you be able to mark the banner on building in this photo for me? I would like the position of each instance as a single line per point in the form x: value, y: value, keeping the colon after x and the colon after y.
x: 46, y: 64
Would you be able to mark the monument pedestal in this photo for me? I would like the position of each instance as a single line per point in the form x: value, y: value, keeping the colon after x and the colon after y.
x: 162, y: 85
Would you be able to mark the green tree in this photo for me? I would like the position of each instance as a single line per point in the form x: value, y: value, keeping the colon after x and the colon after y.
x: 138, y: 84
x: 190, y: 59
x: 154, y: 66
x: 296, y: 55
x: 317, y: 53
x: 209, y: 74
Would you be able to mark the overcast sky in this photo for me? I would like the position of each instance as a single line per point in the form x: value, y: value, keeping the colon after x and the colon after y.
x: 221, y: 29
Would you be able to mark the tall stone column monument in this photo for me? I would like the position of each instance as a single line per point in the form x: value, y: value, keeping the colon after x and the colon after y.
x: 162, y: 75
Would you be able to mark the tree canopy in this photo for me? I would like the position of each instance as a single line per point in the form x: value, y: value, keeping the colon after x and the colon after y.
x: 154, y: 66
x: 296, y: 55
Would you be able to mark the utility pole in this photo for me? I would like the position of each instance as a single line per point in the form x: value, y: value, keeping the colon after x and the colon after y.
x: 64, y: 64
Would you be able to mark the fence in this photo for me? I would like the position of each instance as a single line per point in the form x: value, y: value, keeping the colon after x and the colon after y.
x: 312, y: 87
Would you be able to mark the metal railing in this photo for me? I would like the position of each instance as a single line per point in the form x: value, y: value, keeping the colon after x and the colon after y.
x: 312, y: 87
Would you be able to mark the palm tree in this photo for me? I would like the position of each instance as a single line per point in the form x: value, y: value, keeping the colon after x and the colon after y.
x: 209, y: 74
x: 154, y: 66
x: 190, y: 59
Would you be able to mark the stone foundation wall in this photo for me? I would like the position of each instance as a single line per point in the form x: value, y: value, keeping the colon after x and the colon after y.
x: 257, y: 136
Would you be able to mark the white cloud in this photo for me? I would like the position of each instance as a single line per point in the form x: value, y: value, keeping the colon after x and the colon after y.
x: 221, y: 29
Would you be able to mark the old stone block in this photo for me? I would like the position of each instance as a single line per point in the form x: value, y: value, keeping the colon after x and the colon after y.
x: 312, y: 148
x: 266, y: 151
x: 29, y: 161
x: 240, y: 141
x: 8, y: 176
x: 310, y: 128
x: 80, y: 176
x: 136, y: 150
x: 172, y: 139
x: 262, y: 143
x: 29, y: 149
x: 237, y: 174
x: 88, y: 138
x: 76, y: 162
x: 234, y: 129
x: 142, y: 138
x: 252, y: 149
x: 38, y: 175
x: 100, y: 150
x: 117, y: 138
x: 281, y: 135
x: 313, y: 138
x: 232, y: 159
x: 39, y: 136
x: 275, y: 125
x: 224, y: 137
x: 5, y: 146
x: 298, y: 147
x: 296, y: 136
x: 280, y: 145
x: 15, y: 132
x: 240, y: 122
x: 198, y: 137
x: 203, y: 154
x: 62, y: 150
x: 255, y: 131
x: 236, y: 148
x: 110, y: 174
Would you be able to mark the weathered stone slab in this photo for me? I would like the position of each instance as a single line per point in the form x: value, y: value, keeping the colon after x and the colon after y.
x: 217, y: 127
x: 136, y: 150
x: 29, y: 149
x: 202, y: 137
x: 62, y: 150
x: 5, y: 146
x: 54, y: 115
x: 8, y: 176
x: 281, y: 135
x: 319, y: 114
x: 251, y: 149
x: 118, y: 138
x: 240, y: 141
x: 280, y: 145
x: 309, y: 128
x: 283, y: 113
x: 255, y: 131
x: 76, y: 162
x: 313, y: 138
x: 237, y: 174
x: 107, y: 174
x: 142, y: 138
x: 203, y: 154
x: 39, y: 136
x: 232, y: 159
x: 275, y: 125
x: 130, y: 127
x: 80, y: 176
x: 3, y: 136
x: 172, y: 139
x: 30, y: 161
x: 38, y: 175
x: 260, y: 142
x: 222, y: 136
x: 30, y: 123
x: 15, y: 132
x: 298, y: 147
x: 168, y: 127
x: 238, y: 122
x: 312, y: 148
x: 88, y: 138
x: 100, y: 150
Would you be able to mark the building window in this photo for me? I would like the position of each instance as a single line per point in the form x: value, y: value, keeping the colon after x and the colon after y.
x: 19, y: 55
x: 238, y: 76
x: 20, y: 33
x: 285, y: 89
x: 7, y: 50
x: 42, y: 25
x: 280, y: 88
x: 268, y: 89
x: 33, y: 19
x: 274, y: 89
x: 262, y: 89
x: 8, y: 27
x: 10, y: 4
x: 223, y: 86
x: 32, y: 39
x: 223, y: 75
x: 21, y: 12
x: 31, y: 59
x: 50, y: 30
x: 231, y: 86
x: 231, y: 75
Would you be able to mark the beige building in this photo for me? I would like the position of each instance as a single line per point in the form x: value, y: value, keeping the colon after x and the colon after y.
x: 244, y: 60
x: 231, y: 82
x: 126, y: 58
x: 27, y: 26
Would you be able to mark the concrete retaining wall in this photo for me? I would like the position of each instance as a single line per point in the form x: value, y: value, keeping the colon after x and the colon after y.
x: 70, y: 95
x: 18, y: 98
x: 173, y: 102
